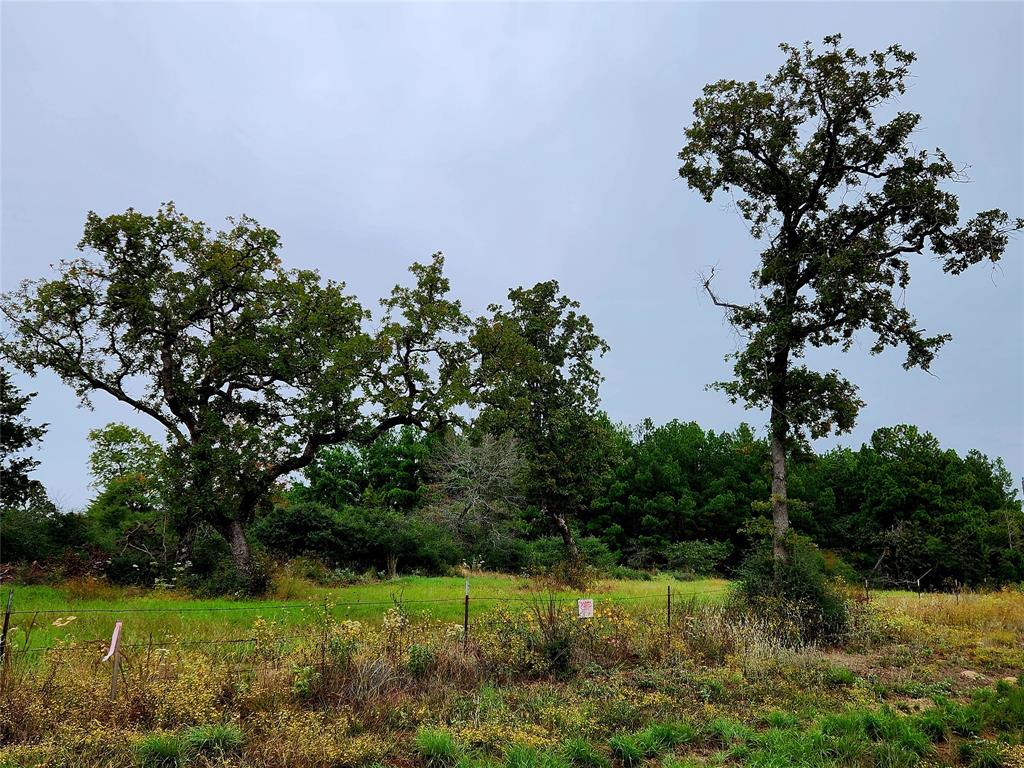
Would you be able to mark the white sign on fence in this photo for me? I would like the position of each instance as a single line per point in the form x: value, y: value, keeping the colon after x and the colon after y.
x: 586, y: 607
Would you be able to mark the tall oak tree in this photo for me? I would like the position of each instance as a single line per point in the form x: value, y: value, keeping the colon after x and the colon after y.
x: 824, y: 169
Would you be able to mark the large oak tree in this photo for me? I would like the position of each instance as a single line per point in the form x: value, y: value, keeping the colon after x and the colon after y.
x: 249, y: 367
x: 823, y: 167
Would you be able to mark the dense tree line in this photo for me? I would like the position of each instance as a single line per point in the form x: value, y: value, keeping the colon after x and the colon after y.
x: 674, y: 497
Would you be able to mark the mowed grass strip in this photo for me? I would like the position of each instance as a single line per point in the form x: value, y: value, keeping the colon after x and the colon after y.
x: 86, y: 612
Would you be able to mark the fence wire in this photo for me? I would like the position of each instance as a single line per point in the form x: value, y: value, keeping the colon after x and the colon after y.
x: 95, y: 645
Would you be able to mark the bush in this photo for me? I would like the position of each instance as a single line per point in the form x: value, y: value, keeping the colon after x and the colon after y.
x: 422, y: 661
x: 628, y: 574
x: 301, y: 529
x: 701, y: 558
x: 796, y: 594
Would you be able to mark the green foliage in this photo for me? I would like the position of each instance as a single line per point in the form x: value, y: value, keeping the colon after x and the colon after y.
x: 160, y: 750
x: 16, y: 436
x: 702, y: 558
x: 216, y: 740
x: 305, y: 681
x: 723, y: 732
x: 437, y: 748
x: 582, y: 754
x: 677, y: 482
x: 536, y: 379
x: 627, y: 750
x: 925, y: 507
x: 794, y: 594
x: 661, y: 737
x: 119, y: 452
x: 518, y: 756
x: 249, y: 368
x: 38, y: 531
x: 422, y: 661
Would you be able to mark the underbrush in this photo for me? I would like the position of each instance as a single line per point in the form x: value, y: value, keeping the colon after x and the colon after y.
x: 536, y: 687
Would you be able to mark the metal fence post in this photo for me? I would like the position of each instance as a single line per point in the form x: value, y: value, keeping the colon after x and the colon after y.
x: 668, y: 606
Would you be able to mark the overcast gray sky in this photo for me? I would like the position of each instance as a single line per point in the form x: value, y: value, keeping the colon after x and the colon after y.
x: 527, y: 142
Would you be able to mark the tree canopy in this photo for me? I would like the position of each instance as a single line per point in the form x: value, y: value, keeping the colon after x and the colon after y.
x: 249, y: 367
x: 536, y: 379
x: 832, y: 186
x: 17, y: 435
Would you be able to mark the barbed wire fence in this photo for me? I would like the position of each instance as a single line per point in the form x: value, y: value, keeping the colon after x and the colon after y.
x: 663, y: 609
x: 111, y: 648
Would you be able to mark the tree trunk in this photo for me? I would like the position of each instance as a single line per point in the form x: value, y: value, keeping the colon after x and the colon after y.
x: 240, y: 552
x: 571, y: 550
x: 392, y: 565
x: 780, y: 504
x: 779, y: 438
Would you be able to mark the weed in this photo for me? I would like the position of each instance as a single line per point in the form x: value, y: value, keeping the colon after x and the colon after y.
x: 215, y: 740
x: 839, y: 677
x: 519, y: 756
x: 626, y: 750
x: 581, y: 754
x: 159, y: 750
x: 438, y: 748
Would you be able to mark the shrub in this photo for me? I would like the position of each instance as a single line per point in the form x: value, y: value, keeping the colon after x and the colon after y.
x: 300, y: 529
x: 701, y: 558
x: 159, y: 750
x: 554, y: 640
x: 422, y: 661
x: 795, y: 594
x: 306, y: 681
x: 628, y: 574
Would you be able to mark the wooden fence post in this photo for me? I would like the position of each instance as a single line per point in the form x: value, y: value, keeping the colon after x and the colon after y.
x: 3, y: 640
x: 7, y: 625
x: 465, y: 620
x: 115, y: 654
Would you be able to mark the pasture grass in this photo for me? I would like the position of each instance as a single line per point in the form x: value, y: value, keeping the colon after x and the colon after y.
x: 77, y: 612
x: 921, y: 682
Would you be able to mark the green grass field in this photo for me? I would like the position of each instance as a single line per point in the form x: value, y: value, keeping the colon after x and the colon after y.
x: 42, y: 614
x: 916, y: 682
